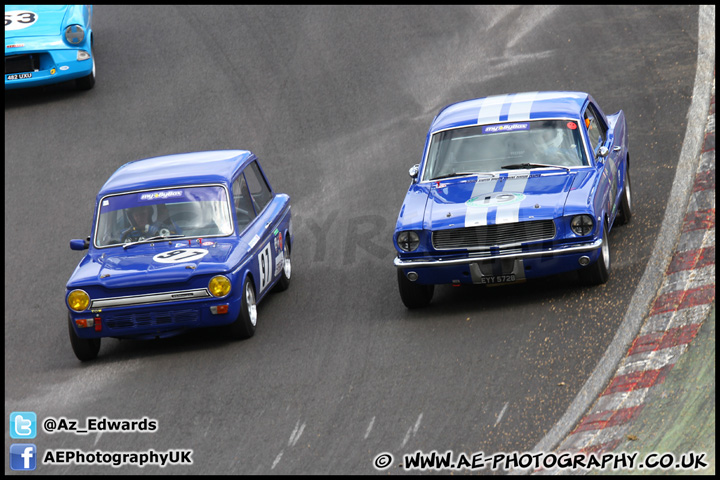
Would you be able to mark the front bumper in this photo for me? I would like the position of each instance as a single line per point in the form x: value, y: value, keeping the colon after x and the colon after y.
x: 159, y: 320
x: 53, y: 66
x: 501, y: 267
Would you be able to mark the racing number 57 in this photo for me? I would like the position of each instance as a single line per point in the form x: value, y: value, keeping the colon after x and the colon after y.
x: 264, y: 263
x: 180, y: 255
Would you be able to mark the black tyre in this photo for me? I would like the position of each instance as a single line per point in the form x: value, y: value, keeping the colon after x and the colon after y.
x: 85, y: 349
x: 412, y: 294
x: 284, y: 281
x: 244, y: 326
x: 87, y: 82
x: 625, y: 213
x: 599, y: 272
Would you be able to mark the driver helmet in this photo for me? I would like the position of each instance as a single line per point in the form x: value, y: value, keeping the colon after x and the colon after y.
x: 132, y: 212
x: 554, y: 140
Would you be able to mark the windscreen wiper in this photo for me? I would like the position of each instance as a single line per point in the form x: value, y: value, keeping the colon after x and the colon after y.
x: 455, y: 174
x: 515, y: 166
x: 157, y: 237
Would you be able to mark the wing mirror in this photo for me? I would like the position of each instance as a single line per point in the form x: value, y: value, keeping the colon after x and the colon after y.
x: 79, y: 244
x: 414, y: 170
x: 602, y: 155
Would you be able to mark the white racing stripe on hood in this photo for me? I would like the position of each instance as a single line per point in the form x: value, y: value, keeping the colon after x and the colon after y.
x: 476, y: 215
x: 510, y: 213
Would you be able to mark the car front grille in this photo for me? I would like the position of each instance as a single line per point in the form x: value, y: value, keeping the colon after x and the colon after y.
x: 493, y: 235
x: 22, y: 63
x: 145, y: 319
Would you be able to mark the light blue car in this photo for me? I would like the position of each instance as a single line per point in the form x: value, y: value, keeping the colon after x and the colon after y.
x: 47, y: 44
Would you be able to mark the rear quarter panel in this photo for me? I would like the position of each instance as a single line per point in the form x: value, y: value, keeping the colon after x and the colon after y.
x: 264, y: 237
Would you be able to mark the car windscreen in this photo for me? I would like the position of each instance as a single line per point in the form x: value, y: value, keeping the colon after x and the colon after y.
x: 489, y: 148
x: 201, y: 211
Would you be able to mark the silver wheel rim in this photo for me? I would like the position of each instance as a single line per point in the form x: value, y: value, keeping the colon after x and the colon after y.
x: 628, y: 196
x: 92, y: 59
x: 287, y: 266
x: 606, y: 252
x: 251, y: 307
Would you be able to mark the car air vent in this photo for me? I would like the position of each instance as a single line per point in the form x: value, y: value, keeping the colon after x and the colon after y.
x: 21, y: 63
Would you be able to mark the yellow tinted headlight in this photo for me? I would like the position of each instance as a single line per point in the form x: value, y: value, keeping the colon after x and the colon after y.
x: 78, y: 300
x: 219, y: 286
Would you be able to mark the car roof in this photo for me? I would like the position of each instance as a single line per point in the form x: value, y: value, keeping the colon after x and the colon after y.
x: 513, y: 107
x: 217, y: 166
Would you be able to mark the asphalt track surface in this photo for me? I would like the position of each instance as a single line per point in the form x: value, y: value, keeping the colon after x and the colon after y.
x: 335, y: 101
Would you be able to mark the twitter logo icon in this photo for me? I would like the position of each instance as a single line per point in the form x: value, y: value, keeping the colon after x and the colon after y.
x: 23, y: 425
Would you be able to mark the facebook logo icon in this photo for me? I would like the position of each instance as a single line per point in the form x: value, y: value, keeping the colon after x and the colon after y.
x: 22, y: 456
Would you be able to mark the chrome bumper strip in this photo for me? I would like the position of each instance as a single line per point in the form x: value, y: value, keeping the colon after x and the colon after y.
x: 586, y: 247
x: 134, y: 300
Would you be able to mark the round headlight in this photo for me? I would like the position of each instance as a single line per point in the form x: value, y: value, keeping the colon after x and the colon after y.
x: 219, y: 286
x: 74, y: 34
x: 78, y: 300
x: 581, y: 224
x: 408, y: 241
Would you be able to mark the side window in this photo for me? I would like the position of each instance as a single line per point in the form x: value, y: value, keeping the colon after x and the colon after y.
x: 595, y: 126
x: 242, y: 202
x: 259, y: 189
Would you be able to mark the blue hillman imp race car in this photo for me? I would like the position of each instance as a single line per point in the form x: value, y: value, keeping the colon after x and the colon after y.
x: 513, y: 187
x: 47, y: 44
x: 179, y: 242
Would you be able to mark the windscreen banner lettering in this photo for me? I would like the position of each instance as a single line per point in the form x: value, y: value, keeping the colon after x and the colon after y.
x: 161, y: 195
x: 506, y: 127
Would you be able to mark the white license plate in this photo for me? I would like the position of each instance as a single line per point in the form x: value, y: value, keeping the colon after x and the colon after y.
x: 19, y: 76
x: 497, y: 279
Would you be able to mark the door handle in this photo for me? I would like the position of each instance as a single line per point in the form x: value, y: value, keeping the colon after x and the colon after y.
x: 617, y: 148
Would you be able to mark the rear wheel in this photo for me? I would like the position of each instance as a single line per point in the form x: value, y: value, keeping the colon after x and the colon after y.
x: 85, y: 348
x: 599, y: 272
x: 284, y: 281
x: 412, y: 294
x: 244, y: 326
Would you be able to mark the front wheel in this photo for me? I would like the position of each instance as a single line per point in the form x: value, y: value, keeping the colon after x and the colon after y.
x: 244, y: 326
x: 599, y: 272
x: 85, y: 348
x: 412, y: 294
x: 625, y: 213
x: 87, y: 82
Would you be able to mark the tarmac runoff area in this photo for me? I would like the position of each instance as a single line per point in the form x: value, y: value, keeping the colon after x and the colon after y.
x: 654, y: 390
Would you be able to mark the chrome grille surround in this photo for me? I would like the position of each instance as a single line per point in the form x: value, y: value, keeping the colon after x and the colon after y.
x: 486, y: 236
x: 151, y: 298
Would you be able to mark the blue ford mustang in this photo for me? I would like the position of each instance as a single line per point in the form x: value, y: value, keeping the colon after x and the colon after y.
x: 179, y: 242
x: 47, y: 44
x: 513, y: 187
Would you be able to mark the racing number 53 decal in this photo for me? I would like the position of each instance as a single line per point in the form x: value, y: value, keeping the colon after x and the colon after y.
x: 264, y: 262
x: 19, y: 19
